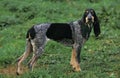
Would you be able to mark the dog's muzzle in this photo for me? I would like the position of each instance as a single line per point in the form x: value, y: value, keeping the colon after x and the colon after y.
x: 89, y: 18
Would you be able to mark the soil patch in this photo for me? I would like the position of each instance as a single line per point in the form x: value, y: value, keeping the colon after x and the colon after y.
x: 11, y: 70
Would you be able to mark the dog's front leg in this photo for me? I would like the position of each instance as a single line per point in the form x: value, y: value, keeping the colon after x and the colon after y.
x: 75, y: 57
x: 78, y: 51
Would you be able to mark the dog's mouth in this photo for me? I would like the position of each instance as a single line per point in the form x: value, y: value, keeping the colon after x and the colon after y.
x: 89, y: 21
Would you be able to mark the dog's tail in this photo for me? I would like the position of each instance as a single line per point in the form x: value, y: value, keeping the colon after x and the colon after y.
x: 29, y: 37
x: 31, y: 33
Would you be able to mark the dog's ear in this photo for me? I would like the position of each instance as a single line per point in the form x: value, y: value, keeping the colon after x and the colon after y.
x: 96, y: 25
x: 84, y: 16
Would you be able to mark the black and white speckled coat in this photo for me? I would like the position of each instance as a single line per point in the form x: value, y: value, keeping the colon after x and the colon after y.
x: 75, y: 33
x: 60, y: 32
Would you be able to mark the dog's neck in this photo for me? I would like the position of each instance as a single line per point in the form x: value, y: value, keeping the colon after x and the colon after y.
x: 85, y: 29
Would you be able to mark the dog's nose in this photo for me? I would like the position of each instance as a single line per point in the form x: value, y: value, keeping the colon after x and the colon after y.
x: 89, y: 18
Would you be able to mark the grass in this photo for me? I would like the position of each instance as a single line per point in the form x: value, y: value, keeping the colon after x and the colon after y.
x: 99, y: 58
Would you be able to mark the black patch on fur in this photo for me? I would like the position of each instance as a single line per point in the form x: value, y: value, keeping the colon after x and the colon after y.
x: 85, y: 29
x: 59, y: 31
x: 31, y: 33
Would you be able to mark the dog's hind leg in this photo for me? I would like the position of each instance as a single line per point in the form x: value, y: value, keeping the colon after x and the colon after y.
x: 30, y: 64
x: 20, y: 57
x: 38, y: 48
x: 24, y: 56
x: 35, y: 57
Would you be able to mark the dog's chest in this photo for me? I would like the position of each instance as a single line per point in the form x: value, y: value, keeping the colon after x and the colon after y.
x: 77, y: 34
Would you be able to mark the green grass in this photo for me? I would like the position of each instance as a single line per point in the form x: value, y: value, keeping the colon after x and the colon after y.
x: 99, y: 58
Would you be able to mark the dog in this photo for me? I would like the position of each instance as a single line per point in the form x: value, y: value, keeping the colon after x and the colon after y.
x: 76, y: 31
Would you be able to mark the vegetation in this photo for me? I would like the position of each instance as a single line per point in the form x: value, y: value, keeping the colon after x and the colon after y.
x: 99, y: 58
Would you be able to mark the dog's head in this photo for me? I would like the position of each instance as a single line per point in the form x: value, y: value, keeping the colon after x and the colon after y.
x: 89, y: 18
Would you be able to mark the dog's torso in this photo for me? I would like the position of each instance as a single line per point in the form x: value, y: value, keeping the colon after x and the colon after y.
x: 65, y: 33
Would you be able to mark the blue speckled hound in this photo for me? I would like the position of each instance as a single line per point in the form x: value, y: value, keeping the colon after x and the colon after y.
x: 77, y: 32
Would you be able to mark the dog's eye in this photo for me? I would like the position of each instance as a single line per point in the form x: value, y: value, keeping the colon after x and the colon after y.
x: 86, y: 11
x: 92, y: 12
